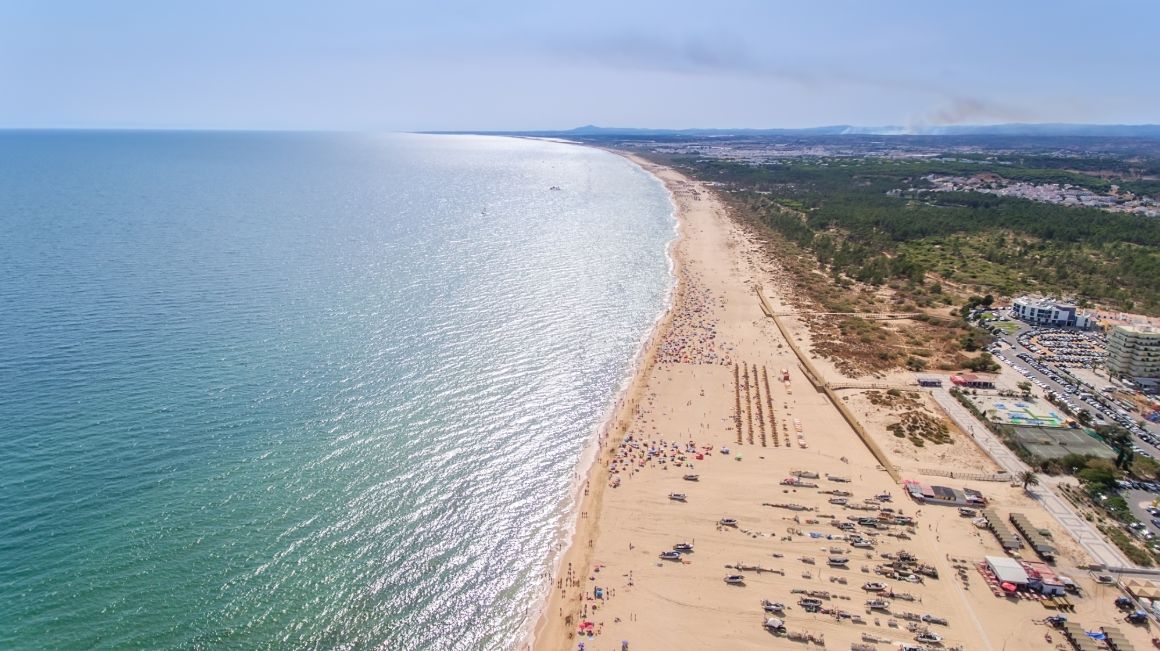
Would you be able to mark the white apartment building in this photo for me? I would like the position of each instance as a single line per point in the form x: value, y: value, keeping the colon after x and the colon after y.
x: 1134, y: 351
x: 1037, y: 310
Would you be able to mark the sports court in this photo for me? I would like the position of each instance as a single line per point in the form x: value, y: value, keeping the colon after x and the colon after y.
x: 1024, y: 413
x: 1057, y: 442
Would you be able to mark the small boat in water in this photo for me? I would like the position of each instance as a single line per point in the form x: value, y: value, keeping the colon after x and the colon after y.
x: 692, y: 478
x: 728, y: 522
x: 670, y: 556
x: 684, y: 548
x: 678, y: 497
x: 735, y: 579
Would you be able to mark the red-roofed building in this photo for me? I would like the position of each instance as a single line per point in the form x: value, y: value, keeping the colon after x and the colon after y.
x: 1042, y: 578
x: 972, y: 381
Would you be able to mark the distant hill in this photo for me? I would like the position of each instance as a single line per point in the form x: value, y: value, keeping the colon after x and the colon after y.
x: 1150, y: 131
x: 1015, y: 129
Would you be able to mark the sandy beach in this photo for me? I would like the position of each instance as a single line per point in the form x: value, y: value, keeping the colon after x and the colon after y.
x: 721, y: 413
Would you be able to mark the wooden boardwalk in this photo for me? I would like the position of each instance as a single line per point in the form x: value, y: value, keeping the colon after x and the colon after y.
x: 816, y: 379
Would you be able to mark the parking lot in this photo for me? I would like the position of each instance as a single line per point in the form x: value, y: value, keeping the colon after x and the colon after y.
x: 1068, y: 348
x: 1139, y: 496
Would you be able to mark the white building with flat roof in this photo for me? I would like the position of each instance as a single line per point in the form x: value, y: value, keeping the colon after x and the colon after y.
x: 1044, y: 311
x: 1007, y: 569
x: 1134, y: 351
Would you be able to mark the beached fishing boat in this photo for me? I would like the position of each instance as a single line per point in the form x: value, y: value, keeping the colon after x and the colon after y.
x: 772, y: 606
x: 683, y: 547
x: 873, y: 586
x: 678, y: 497
x: 670, y: 556
x: 735, y: 579
x: 878, y: 604
x: 692, y: 478
x: 837, y: 561
x: 838, y: 500
x: 810, y: 602
x: 928, y: 636
x: 728, y: 522
x: 931, y: 619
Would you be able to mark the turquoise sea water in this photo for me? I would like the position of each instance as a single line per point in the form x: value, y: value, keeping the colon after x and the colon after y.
x: 266, y: 391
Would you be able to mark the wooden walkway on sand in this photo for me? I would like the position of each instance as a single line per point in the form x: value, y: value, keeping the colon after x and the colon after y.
x: 871, y: 316
x: 816, y: 379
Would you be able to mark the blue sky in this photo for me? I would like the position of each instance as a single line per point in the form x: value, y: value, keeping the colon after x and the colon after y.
x: 348, y: 64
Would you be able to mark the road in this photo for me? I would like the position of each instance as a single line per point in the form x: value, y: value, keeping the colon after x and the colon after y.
x: 1084, y: 533
x: 1135, y: 500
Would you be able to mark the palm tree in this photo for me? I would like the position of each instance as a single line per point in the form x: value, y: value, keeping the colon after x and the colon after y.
x: 1029, y: 478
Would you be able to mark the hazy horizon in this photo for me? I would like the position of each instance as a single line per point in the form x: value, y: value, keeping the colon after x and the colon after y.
x: 359, y: 66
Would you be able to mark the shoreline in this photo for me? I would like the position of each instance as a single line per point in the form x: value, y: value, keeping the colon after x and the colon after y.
x: 590, y: 472
x: 705, y: 454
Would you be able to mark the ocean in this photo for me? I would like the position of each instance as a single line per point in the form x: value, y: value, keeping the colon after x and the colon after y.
x: 308, y: 391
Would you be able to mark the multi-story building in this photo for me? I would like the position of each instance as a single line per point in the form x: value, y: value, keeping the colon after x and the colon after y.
x: 1037, y: 310
x: 1134, y: 351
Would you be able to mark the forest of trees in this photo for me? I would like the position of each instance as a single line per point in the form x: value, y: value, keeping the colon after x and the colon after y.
x: 840, y: 210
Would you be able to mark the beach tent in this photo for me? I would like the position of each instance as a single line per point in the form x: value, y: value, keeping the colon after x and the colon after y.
x: 774, y: 624
x: 1007, y: 570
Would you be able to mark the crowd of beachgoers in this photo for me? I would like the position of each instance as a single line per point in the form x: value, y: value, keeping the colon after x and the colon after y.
x: 635, y: 454
x: 691, y: 337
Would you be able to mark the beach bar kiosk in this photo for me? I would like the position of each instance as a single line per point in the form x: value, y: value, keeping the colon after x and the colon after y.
x: 972, y: 381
